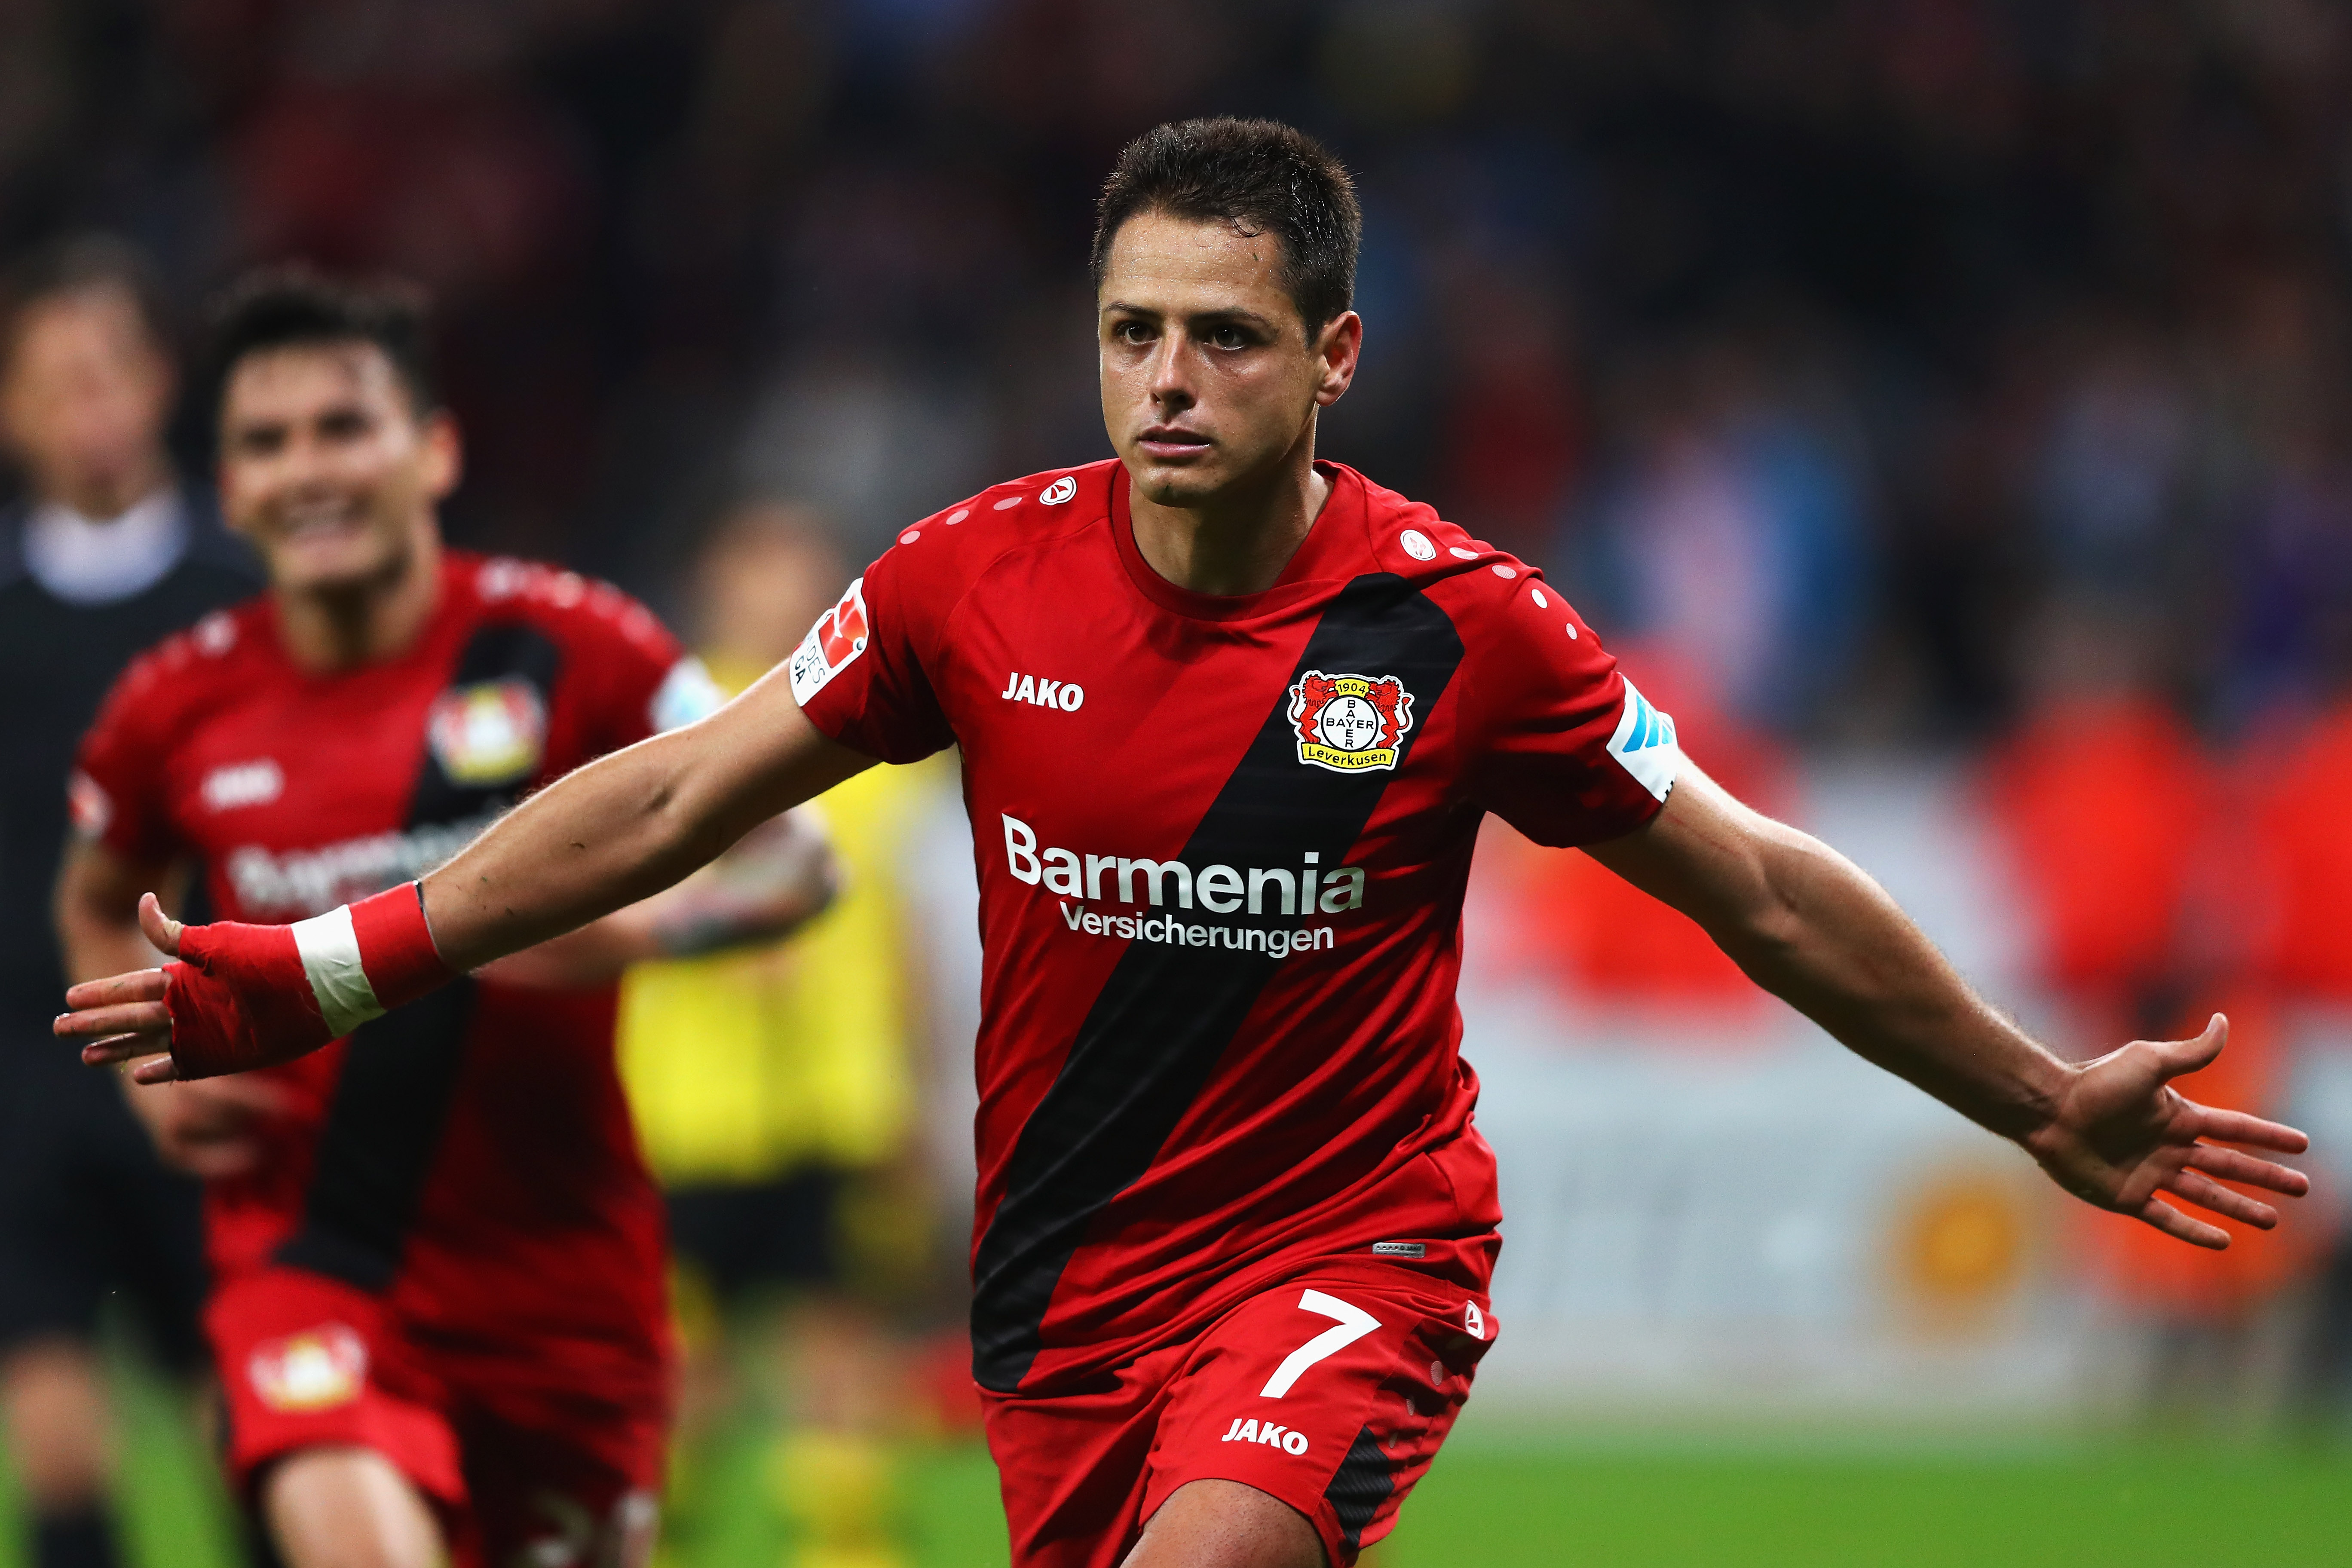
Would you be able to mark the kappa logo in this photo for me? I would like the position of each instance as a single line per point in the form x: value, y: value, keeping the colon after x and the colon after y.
x: 491, y: 732
x: 1348, y: 723
x: 838, y: 637
x: 317, y: 1369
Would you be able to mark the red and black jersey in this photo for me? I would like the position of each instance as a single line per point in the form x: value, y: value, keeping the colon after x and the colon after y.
x: 470, y: 1158
x: 1222, y: 845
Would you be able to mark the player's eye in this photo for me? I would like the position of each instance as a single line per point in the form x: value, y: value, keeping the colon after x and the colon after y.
x: 1228, y: 337
x: 1135, y: 334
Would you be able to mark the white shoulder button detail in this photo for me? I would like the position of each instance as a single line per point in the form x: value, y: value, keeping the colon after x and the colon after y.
x: 958, y: 515
x: 1417, y: 545
x: 1008, y: 503
x: 1461, y: 554
x: 911, y: 535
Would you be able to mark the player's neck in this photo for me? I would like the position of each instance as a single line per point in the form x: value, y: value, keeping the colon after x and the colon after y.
x: 1240, y: 543
x: 103, y: 497
x: 327, y: 631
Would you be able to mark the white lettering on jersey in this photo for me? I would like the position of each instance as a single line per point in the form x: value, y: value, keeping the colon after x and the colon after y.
x: 1644, y: 744
x: 1066, y: 695
x: 298, y: 882
x: 836, y: 640
x: 255, y: 783
x: 1279, y: 943
x: 1246, y: 1430
x: 1222, y: 889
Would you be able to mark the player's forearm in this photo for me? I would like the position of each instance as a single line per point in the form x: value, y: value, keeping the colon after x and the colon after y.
x: 779, y: 876
x: 616, y: 831
x: 1827, y: 940
x: 626, y: 827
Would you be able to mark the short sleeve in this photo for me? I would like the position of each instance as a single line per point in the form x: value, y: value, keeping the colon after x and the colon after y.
x: 858, y: 675
x: 116, y: 793
x: 1560, y: 744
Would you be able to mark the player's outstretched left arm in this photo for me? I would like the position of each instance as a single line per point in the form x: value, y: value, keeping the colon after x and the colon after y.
x: 610, y: 834
x: 1807, y: 924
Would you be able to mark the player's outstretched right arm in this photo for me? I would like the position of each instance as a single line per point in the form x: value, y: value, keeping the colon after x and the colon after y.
x: 616, y: 831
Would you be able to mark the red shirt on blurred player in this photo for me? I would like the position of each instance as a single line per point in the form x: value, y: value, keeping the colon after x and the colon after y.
x: 435, y: 1244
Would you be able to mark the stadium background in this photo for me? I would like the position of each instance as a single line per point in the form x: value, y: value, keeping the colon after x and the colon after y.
x: 1944, y: 402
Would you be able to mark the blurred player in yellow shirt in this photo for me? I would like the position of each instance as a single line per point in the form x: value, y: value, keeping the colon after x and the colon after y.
x: 773, y: 1088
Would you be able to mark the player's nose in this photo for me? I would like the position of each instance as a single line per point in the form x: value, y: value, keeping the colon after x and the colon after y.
x: 1169, y: 383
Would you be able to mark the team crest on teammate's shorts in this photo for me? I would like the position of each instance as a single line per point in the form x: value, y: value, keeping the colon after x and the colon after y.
x: 317, y: 1369
x: 1349, y: 722
x: 491, y: 733
x: 839, y: 635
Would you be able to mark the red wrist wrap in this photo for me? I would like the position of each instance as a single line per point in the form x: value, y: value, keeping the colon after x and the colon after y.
x: 244, y: 996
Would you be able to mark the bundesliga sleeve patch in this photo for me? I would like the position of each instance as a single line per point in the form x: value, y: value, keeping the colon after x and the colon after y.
x: 1349, y: 722
x: 839, y: 635
x: 1644, y: 744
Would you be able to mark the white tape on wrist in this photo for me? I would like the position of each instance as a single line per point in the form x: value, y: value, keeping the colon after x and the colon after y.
x: 331, y: 958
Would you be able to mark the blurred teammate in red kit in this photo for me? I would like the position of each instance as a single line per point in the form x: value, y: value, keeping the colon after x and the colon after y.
x: 438, y: 1313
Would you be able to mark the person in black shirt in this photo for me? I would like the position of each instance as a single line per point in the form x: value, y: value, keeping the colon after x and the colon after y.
x: 106, y: 552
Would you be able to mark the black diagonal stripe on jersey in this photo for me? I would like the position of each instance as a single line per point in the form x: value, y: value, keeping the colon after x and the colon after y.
x: 1166, y: 1015
x: 1359, y: 1486
x: 391, y: 1098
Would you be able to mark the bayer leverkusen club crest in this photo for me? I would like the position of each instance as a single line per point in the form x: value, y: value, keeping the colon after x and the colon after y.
x: 1348, y: 723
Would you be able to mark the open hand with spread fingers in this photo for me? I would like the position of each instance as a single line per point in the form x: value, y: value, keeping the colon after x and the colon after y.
x: 2123, y: 1138
x: 240, y: 996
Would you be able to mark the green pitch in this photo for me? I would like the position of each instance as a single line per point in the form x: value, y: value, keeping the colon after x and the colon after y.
x: 1502, y: 1500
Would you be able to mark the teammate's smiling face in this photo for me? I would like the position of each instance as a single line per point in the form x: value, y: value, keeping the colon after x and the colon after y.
x: 1210, y: 377
x: 326, y: 466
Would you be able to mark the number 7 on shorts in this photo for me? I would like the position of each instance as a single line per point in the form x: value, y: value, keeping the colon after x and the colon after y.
x: 1352, y: 1324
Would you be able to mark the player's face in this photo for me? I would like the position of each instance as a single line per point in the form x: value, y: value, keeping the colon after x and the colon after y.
x: 84, y: 398
x: 326, y: 467
x: 1208, y: 377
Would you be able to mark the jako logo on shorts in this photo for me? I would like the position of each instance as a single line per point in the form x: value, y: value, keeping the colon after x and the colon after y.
x: 1244, y: 1430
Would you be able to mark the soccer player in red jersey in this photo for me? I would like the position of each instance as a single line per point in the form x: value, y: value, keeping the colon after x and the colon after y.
x: 439, y: 1310
x: 1230, y: 718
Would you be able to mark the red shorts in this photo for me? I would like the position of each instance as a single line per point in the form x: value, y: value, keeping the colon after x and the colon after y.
x: 518, y: 1468
x: 1331, y: 1392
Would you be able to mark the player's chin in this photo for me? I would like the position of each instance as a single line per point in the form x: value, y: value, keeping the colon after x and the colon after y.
x: 1181, y: 481
x: 326, y: 566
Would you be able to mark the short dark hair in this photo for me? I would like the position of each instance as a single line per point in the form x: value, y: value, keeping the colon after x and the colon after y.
x: 81, y: 264
x: 298, y: 306
x: 1262, y: 177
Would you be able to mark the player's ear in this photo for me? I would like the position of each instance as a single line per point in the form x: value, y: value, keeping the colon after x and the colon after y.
x: 445, y: 453
x: 1337, y: 349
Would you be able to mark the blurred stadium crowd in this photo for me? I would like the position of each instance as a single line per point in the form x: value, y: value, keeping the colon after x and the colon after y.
x: 1917, y: 322
x: 1958, y: 376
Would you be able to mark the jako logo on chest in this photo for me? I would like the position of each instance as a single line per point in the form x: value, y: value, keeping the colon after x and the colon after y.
x: 1066, y: 695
